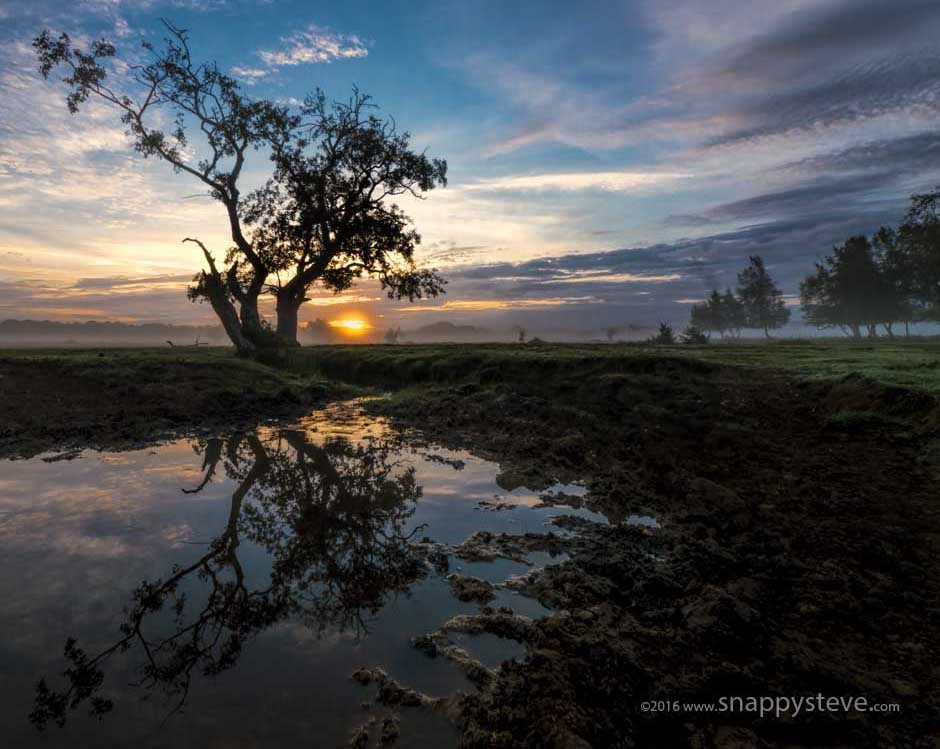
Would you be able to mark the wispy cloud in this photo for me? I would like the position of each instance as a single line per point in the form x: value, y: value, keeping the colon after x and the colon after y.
x: 250, y: 74
x: 608, y: 181
x: 489, y: 305
x: 315, y: 45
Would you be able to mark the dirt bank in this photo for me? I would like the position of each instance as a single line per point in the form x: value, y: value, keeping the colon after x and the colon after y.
x: 116, y: 399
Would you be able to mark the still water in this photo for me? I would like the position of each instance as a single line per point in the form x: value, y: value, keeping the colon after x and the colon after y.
x: 220, y: 592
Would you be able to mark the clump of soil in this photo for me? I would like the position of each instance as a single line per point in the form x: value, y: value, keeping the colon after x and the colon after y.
x: 467, y: 588
x: 484, y: 546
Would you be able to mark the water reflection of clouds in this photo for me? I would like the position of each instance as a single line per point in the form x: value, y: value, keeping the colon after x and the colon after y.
x: 86, y: 531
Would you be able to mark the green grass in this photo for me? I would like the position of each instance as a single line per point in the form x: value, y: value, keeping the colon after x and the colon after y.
x: 913, y: 363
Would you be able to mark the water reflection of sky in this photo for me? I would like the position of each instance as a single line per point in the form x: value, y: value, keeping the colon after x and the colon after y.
x: 77, y: 537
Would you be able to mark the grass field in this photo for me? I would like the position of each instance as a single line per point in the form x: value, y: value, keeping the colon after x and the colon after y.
x: 911, y: 363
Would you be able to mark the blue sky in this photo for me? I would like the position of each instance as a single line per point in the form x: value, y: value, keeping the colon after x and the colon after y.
x: 610, y: 162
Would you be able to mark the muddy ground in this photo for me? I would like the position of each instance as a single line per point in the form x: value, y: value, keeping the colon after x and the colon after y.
x: 116, y: 399
x: 800, y: 530
x: 796, y: 553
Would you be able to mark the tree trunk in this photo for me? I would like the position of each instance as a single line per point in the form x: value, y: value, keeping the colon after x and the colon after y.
x: 250, y: 319
x: 888, y: 329
x: 215, y: 289
x: 248, y: 314
x: 225, y: 311
x: 907, y: 329
x: 856, y: 331
x: 288, y: 309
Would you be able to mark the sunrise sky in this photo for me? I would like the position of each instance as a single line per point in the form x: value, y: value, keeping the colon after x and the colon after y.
x: 609, y: 161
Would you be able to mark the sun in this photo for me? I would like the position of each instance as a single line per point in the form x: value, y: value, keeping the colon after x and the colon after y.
x: 351, y: 325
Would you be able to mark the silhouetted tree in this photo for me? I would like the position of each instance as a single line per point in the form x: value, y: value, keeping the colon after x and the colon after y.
x: 665, y: 335
x: 917, y: 253
x: 719, y: 313
x: 325, y: 215
x: 849, y: 290
x: 694, y: 335
x: 760, y: 298
x: 898, y: 268
x: 392, y: 335
x: 322, y: 216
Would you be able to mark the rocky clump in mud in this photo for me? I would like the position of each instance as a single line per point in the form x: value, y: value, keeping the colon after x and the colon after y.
x: 560, y: 499
x: 390, y: 696
x: 466, y: 588
x: 484, y: 546
x: 501, y: 622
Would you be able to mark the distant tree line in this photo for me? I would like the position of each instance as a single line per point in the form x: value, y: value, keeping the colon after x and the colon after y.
x: 108, y: 330
x: 758, y: 304
x: 892, y: 277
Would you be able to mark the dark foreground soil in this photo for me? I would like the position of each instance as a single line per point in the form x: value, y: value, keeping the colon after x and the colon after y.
x: 116, y: 399
x: 797, y: 556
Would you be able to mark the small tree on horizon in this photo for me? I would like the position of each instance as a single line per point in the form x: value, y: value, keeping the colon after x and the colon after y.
x: 761, y: 299
x: 664, y: 336
x: 899, y: 270
x: 694, y: 335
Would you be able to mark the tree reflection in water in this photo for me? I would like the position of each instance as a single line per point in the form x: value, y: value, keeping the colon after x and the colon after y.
x: 332, y: 519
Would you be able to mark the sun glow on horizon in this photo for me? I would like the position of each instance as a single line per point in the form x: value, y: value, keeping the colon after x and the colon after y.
x: 351, y: 325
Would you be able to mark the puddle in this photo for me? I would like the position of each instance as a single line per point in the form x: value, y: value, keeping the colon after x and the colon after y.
x: 222, y: 591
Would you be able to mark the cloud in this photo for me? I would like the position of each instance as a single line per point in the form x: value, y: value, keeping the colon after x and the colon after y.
x: 608, y: 181
x: 910, y: 154
x: 315, y: 45
x: 122, y: 282
x: 252, y: 74
x: 487, y: 305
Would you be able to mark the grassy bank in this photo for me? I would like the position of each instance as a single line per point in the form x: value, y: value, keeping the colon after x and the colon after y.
x: 913, y: 363
x: 120, y: 397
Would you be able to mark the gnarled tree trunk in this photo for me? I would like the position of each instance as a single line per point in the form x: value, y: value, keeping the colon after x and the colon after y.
x: 215, y: 288
x: 289, y: 299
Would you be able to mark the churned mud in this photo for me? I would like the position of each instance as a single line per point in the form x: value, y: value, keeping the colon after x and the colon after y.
x: 794, y: 555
